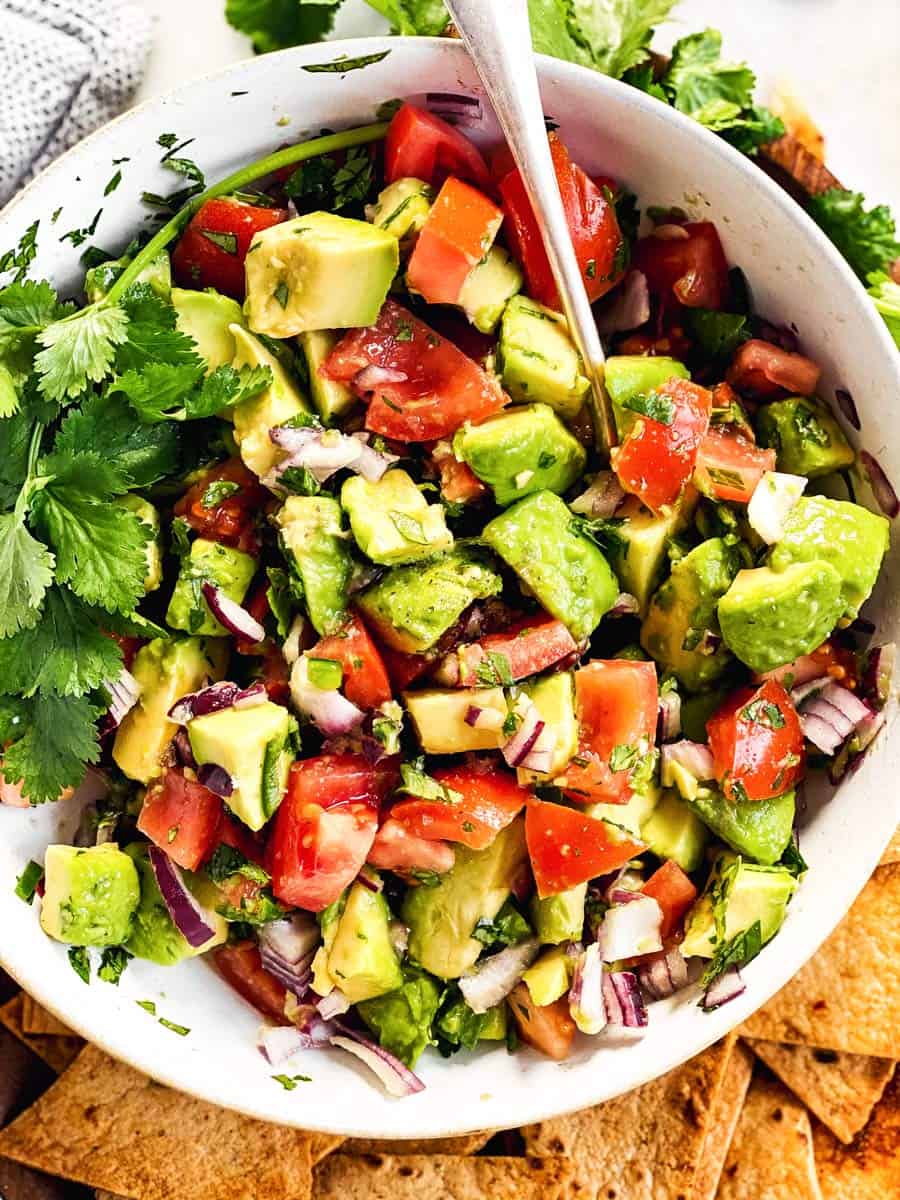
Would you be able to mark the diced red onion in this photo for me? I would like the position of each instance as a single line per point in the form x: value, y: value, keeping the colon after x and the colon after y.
x: 397, y: 1078
x: 372, y: 463
x: 230, y: 614
x: 626, y: 605
x: 335, y: 1004
x: 664, y: 976
x: 627, y: 308
x: 372, y: 377
x: 602, y: 498
x: 331, y: 711
x: 493, y: 979
x: 216, y: 778
x: 184, y: 753
x: 192, y: 921
x: 296, y: 977
x: 695, y: 757
x: 727, y: 987
x: 668, y: 716
x: 540, y: 757
x: 624, y: 1002
x: 292, y: 939
x: 279, y: 1042
x: 586, y: 1004
x: 370, y: 880
x: 293, y: 643
x: 214, y: 698
x: 856, y: 747
x: 528, y: 729
x: 820, y: 732
x: 830, y: 716
x: 484, y: 718
x: 878, y: 674
x: 631, y: 928
x: 710, y: 642
x: 882, y: 488
x: 124, y: 694
x: 315, y: 1032
x: 459, y: 110
x: 847, y: 405
x: 848, y: 704
x: 810, y: 688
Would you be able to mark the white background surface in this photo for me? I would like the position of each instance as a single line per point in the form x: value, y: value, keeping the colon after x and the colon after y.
x: 842, y: 57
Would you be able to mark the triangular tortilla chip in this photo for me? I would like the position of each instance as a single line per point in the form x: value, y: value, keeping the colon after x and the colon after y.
x: 646, y: 1143
x: 57, y: 1052
x: 469, y: 1143
x: 36, y: 1020
x: 869, y: 1169
x: 771, y: 1153
x: 848, y: 996
x: 105, y: 1125
x: 722, y: 1122
x: 439, y: 1177
x: 841, y: 1089
x: 892, y: 850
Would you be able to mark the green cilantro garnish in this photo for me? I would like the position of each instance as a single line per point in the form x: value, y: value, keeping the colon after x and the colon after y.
x: 147, y: 1005
x: 289, y: 1082
x: 763, y: 712
x: 227, y: 861
x: 113, y: 962
x: 415, y: 782
x: 282, y: 294
x: 217, y: 491
x: 623, y: 757
x: 409, y: 528
x: 181, y: 1030
x: 653, y: 405
x: 225, y: 241
x: 80, y: 963
x: 736, y: 952
x: 494, y: 671
x: 26, y: 884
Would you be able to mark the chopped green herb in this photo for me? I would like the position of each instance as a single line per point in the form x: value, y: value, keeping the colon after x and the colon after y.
x: 225, y: 241
x: 623, y: 757
x: 26, y: 884
x: 415, y: 782
x: 340, y: 66
x: 219, y: 490
x: 227, y: 861
x: 181, y: 1030
x: 113, y: 962
x: 147, y: 1005
x: 282, y: 294
x: 289, y: 1082
x: 763, y: 712
x: 408, y: 527
x: 80, y: 963
x: 652, y: 405
x: 494, y: 670
x: 736, y: 952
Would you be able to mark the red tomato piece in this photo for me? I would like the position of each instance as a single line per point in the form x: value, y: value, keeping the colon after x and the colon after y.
x: 397, y: 849
x: 762, y: 369
x: 655, y: 461
x: 404, y: 669
x: 182, y: 817
x: 459, y: 231
x: 242, y: 967
x: 567, y: 847
x: 211, y: 251
x: 729, y: 466
x: 273, y: 671
x: 591, y: 218
x: 441, y: 388
x: 365, y: 681
x: 230, y: 520
x: 617, y: 702
x: 673, y: 891
x: 548, y: 1027
x: 529, y: 645
x: 757, y: 743
x: 421, y: 145
x: 689, y: 268
x: 459, y: 483
x: 490, y: 800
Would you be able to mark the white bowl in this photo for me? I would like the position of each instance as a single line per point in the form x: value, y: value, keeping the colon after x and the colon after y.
x: 796, y: 277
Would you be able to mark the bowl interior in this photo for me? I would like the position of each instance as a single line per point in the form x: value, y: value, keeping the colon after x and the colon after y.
x: 796, y: 278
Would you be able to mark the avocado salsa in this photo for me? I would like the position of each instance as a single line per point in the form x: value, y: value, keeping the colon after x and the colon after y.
x: 436, y: 726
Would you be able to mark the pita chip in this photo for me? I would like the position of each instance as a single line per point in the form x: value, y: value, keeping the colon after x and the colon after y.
x: 771, y: 1153
x: 847, y: 997
x: 722, y: 1122
x: 57, y: 1052
x: 869, y: 1168
x: 469, y: 1143
x: 439, y: 1177
x: 36, y: 1020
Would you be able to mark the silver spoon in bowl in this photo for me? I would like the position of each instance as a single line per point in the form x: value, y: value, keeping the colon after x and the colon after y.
x: 498, y: 38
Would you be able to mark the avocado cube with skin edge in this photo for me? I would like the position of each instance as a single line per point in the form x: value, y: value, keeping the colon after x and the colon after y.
x: 154, y: 935
x: 537, y: 358
x: 147, y: 515
x: 255, y: 416
x: 362, y: 959
x: 392, y: 521
x: 224, y: 567
x: 806, y: 438
x: 207, y: 317
x: 739, y: 894
x: 315, y: 544
x: 90, y: 895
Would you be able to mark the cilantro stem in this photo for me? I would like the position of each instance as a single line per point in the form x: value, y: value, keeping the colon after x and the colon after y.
x: 234, y: 182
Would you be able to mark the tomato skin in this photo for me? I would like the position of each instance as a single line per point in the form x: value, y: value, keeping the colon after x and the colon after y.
x: 397, y: 849
x: 241, y: 965
x: 529, y: 645
x: 764, y: 370
x: 187, y: 807
x: 273, y: 672
x: 567, y: 847
x: 655, y: 461
x: 490, y: 800
x: 691, y: 270
x: 673, y: 891
x: 424, y: 146
x: 548, y: 1028
x: 592, y: 223
x: 721, y: 450
x: 459, y: 483
x: 365, y: 681
x: 753, y: 760
x: 617, y: 702
x: 232, y: 520
x: 200, y: 263
x: 458, y: 232
x: 404, y: 669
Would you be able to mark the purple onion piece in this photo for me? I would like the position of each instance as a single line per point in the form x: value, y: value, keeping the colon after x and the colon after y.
x: 230, y: 614
x: 315, y: 1032
x: 189, y: 917
x: 295, y: 977
x: 626, y: 605
x: 727, y: 987
x: 216, y: 778
x: 627, y: 308
x: 293, y: 938
x: 695, y: 757
x: 184, y: 753
x: 586, y: 1003
x: 847, y: 405
x: 664, y: 976
x: 371, y: 377
x: 277, y: 1043
x: 331, y: 711
x: 624, y: 1002
x: 882, y: 488
x: 124, y: 694
x: 397, y: 1078
x: 370, y: 880
x: 602, y: 498
x: 335, y: 1004
x: 459, y: 110
x: 494, y: 978
x: 214, y: 698
x: 529, y: 729
x: 668, y: 718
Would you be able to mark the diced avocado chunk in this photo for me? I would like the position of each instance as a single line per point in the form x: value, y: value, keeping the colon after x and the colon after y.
x: 441, y: 918
x: 537, y: 358
x: 254, y: 417
x: 520, y: 451
x: 846, y: 535
x: 758, y: 829
x: 158, y: 273
x: 439, y: 718
x: 630, y: 816
x: 362, y: 959
x: 550, y: 976
x: 401, y: 1019
x: 411, y: 607
x: 567, y: 573
x: 560, y: 918
x: 489, y: 287
x: 696, y: 711
x: 208, y: 318
x: 90, y: 895
x: 329, y: 919
x: 253, y: 746
x: 554, y: 698
x: 402, y: 207
x: 672, y: 830
x: 154, y: 935
x: 806, y: 438
x: 318, y: 271
x: 165, y: 671
x: 392, y: 521
x: 772, y: 617
x: 630, y: 375
x: 147, y: 515
x: 331, y: 399
x: 314, y: 540
x: 683, y: 611
x: 224, y: 567
x: 638, y: 551
x: 736, y: 896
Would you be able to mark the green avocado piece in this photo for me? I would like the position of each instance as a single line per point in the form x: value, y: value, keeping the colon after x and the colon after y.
x: 769, y: 618
x: 254, y: 746
x: 158, y: 273
x: 439, y: 718
x: 401, y: 1019
x: 846, y: 535
x: 736, y: 896
x: 537, y: 359
x: 554, y: 698
x: 331, y: 399
x: 90, y: 895
x: 207, y: 317
x: 254, y: 417
x: 550, y: 976
x: 630, y: 816
x: 520, y: 451
x: 758, y: 829
x: 805, y: 436
x: 696, y: 711
x: 402, y: 207
x: 567, y: 573
x: 489, y: 287
x: 315, y: 544
x: 165, y: 670
x: 392, y: 521
x: 441, y: 918
x: 630, y: 375
x: 411, y: 607
x: 362, y: 959
x: 638, y: 550
x: 673, y: 831
x: 318, y: 271
x: 560, y: 918
x: 683, y: 610
x: 208, y: 562
x: 154, y: 935
x: 147, y: 515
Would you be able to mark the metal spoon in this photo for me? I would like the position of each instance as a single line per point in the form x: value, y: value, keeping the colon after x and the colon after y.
x: 498, y: 38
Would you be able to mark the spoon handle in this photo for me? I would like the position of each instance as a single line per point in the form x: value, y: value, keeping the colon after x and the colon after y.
x: 498, y: 38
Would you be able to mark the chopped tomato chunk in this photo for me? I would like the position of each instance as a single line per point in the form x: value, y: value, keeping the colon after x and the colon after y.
x: 566, y: 847
x: 757, y: 743
x: 548, y: 1027
x: 211, y: 251
x: 221, y: 514
x: 729, y: 466
x: 688, y: 267
x: 529, y: 645
x: 673, y: 891
x: 459, y: 231
x: 762, y: 369
x: 424, y: 146
x: 397, y: 849
x: 487, y: 802
x: 459, y: 483
x: 182, y: 817
x: 365, y: 681
x: 242, y: 967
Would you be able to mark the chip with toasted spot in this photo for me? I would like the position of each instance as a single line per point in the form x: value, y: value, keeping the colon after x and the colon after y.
x: 723, y: 1120
x: 868, y: 1169
x: 771, y: 1153
x: 440, y: 1177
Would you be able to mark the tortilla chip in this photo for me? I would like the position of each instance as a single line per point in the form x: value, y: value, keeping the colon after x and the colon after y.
x: 892, y: 850
x: 57, y: 1052
x: 105, y: 1125
x: 771, y: 1153
x: 36, y: 1020
x: 722, y: 1122
x: 841, y: 1089
x: 646, y: 1143
x: 439, y: 1177
x: 785, y: 103
x: 848, y: 996
x: 469, y: 1143
x: 869, y: 1169
x: 321, y: 1145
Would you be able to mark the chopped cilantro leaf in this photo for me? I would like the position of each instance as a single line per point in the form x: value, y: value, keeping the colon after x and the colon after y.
x: 494, y: 670
x: 80, y: 963
x: 113, y: 962
x: 735, y: 952
x: 623, y: 757
x: 27, y: 882
x: 415, y: 782
x: 652, y: 405
x: 289, y: 1082
x: 866, y: 238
